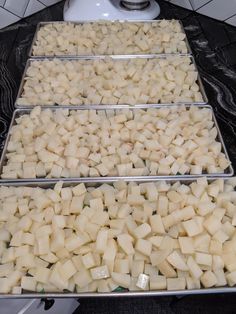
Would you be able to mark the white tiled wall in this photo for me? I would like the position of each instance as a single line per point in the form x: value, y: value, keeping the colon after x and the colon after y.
x: 223, y: 10
x: 196, y: 4
x: 36, y: 306
x: 182, y: 3
x: 12, y: 11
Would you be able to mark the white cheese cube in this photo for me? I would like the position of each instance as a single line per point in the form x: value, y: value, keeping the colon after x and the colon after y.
x: 186, y: 245
x: 143, y: 282
x: 177, y: 261
x: 88, y: 260
x: 144, y: 247
x: 125, y: 242
x: 100, y: 272
x: 176, y: 283
x: 142, y: 231
x: 68, y: 269
x: 42, y: 274
x: 156, y: 224
x: 122, y: 280
x: 208, y: 279
x: 194, y: 269
x: 82, y: 278
x: 28, y: 283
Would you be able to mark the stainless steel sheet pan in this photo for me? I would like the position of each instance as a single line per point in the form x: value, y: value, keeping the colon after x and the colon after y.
x: 42, y: 24
x: 18, y: 112
x: 96, y: 183
x: 117, y: 57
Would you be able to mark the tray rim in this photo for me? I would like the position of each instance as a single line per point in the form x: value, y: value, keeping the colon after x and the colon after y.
x: 151, y: 293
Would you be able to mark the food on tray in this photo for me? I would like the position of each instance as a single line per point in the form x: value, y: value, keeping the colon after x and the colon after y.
x: 154, y: 235
x: 104, y: 37
x: 111, y: 81
x: 66, y: 143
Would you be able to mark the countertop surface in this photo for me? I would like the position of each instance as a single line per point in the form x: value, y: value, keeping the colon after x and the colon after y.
x: 214, y: 47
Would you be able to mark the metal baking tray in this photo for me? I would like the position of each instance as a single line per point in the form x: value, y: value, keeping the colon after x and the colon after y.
x: 118, y: 57
x: 95, y: 183
x: 41, y: 24
x: 19, y: 112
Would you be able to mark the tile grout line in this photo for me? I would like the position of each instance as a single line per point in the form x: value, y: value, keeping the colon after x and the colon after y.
x: 26, y: 8
x: 202, y: 5
x: 44, y: 3
x: 190, y: 2
x: 2, y: 5
x: 21, y: 17
x: 12, y: 12
x: 229, y: 17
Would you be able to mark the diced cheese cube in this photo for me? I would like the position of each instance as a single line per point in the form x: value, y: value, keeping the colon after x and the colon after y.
x: 166, y: 269
x: 191, y: 227
x: 192, y: 283
x: 4, y: 285
x: 177, y: 261
x: 142, y: 231
x: 231, y: 278
x: 125, y: 242
x: 137, y: 268
x: 203, y: 259
x: 122, y: 280
x: 156, y: 224
x: 42, y: 274
x: 212, y: 224
x: 82, y: 278
x: 68, y: 270
x: 194, y: 269
x: 158, y: 282
x: 100, y: 272
x: 28, y: 283
x: 143, y: 281
x: 88, y: 260
x: 176, y: 283
x: 121, y: 266
x: 220, y: 275
x: 162, y: 205
x: 101, y: 241
x: 208, y: 279
x: 144, y: 247
x: 186, y: 245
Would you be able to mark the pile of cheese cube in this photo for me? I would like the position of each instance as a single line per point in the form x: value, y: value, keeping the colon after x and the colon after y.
x: 122, y: 142
x: 153, y: 235
x: 109, y: 81
x: 106, y: 37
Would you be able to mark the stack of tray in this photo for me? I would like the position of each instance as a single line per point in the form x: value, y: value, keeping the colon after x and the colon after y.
x: 45, y: 183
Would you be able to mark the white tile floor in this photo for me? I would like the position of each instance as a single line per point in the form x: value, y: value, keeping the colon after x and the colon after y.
x: 182, y: 3
x: 16, y: 7
x: 12, y: 10
x: 196, y: 4
x: 61, y: 306
x: 218, y: 9
x: 33, y: 7
x: 232, y: 20
x: 7, y: 18
x: 224, y: 10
